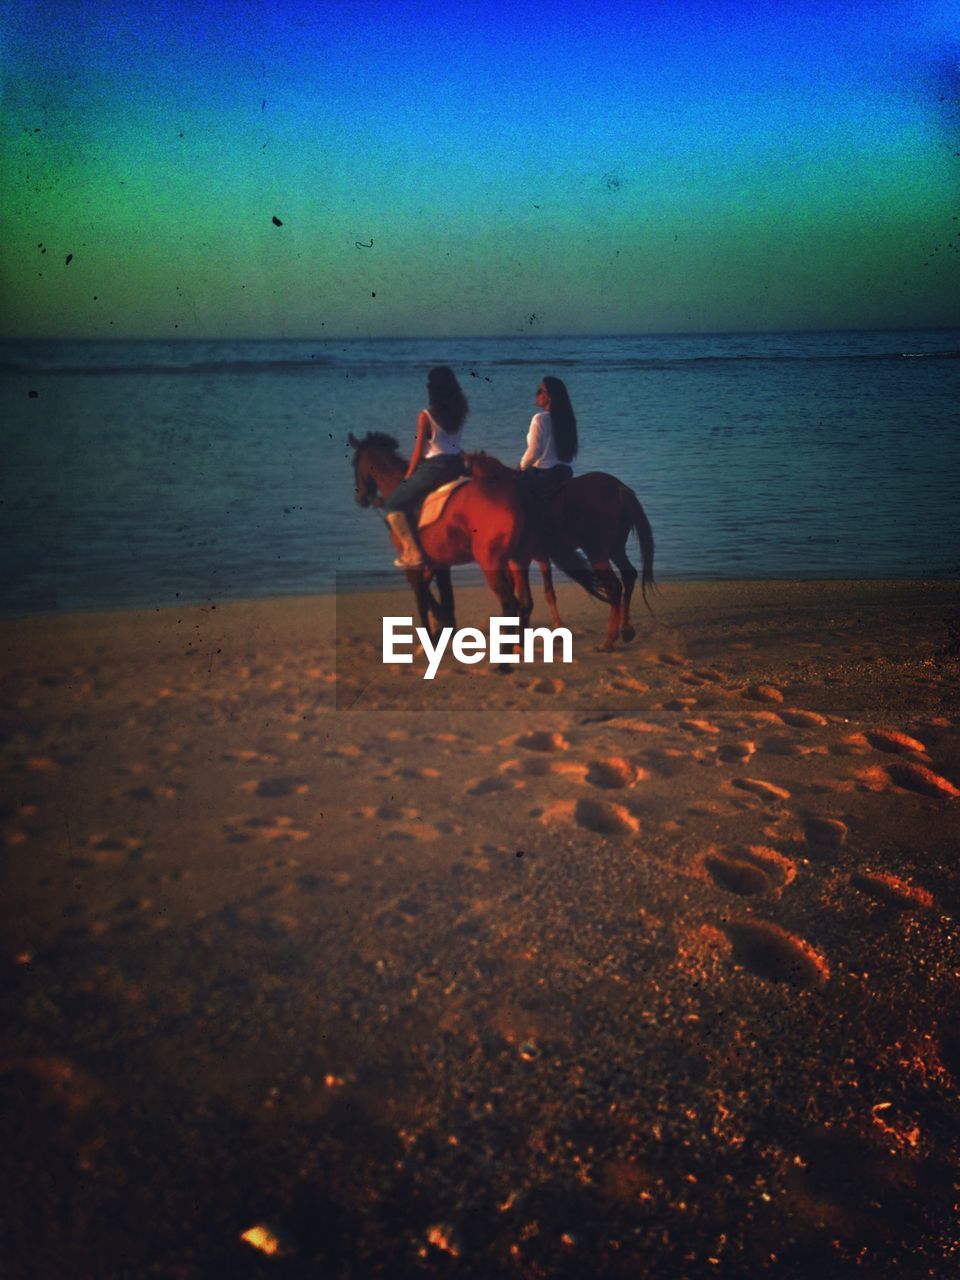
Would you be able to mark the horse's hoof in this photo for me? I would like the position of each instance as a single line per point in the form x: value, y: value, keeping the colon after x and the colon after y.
x: 605, y: 648
x: 628, y: 633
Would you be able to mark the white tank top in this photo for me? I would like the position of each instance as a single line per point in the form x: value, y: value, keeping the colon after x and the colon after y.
x: 441, y: 441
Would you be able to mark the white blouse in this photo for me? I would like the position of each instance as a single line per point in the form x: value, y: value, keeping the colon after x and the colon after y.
x: 540, y: 448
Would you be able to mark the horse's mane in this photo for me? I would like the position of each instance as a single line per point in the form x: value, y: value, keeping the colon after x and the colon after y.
x: 376, y: 440
x: 485, y: 466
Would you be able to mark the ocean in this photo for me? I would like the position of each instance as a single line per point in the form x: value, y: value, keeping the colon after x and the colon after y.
x: 147, y: 473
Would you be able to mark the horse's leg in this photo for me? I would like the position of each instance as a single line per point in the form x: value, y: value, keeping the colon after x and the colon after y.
x: 498, y: 579
x: 445, y: 589
x: 612, y: 582
x: 546, y: 572
x: 629, y: 575
x: 520, y: 573
x: 421, y: 590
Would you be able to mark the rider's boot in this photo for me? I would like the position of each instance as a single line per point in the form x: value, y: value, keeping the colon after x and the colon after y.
x: 410, y: 557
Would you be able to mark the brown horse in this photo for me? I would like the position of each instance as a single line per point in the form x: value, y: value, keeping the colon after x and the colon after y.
x: 484, y: 521
x: 596, y: 513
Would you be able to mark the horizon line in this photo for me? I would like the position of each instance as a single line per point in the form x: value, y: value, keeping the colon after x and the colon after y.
x: 487, y: 337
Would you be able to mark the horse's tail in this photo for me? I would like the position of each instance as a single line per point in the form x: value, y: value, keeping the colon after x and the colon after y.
x: 578, y: 567
x: 641, y: 527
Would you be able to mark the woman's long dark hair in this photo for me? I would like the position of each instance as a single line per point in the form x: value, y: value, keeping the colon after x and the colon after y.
x: 448, y: 404
x: 563, y: 419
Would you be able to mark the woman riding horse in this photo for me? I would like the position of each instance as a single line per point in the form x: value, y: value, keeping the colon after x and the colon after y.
x: 484, y: 522
x: 436, y: 459
x: 551, y: 440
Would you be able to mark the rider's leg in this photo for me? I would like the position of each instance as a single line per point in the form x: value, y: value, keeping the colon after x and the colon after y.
x: 406, y: 499
x: 409, y: 557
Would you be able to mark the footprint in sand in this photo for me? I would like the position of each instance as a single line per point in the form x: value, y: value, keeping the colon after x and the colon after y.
x: 108, y: 851
x: 407, y: 821
x: 667, y: 761
x: 873, y: 778
x: 750, y: 869
x: 243, y: 830
x: 736, y: 752
x: 893, y: 741
x: 541, y: 767
x: 396, y: 812
x: 627, y: 684
x: 766, y: 791
x: 754, y: 720
x: 773, y: 953
x: 918, y: 778
x: 891, y: 890
x: 540, y: 740
x: 709, y: 674
x: 547, y: 684
x: 485, y: 786
x: 605, y: 818
x: 803, y: 719
x: 613, y: 773
x: 41, y: 764
x: 679, y: 704
x: 277, y: 788
x: 703, y: 728
x: 825, y: 833
x: 633, y: 725
x: 763, y: 693
x: 780, y: 745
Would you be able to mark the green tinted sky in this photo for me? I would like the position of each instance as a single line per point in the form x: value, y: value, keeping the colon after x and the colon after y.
x: 478, y: 168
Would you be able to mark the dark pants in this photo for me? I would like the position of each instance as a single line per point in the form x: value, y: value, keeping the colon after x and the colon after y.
x: 543, y: 483
x: 430, y: 474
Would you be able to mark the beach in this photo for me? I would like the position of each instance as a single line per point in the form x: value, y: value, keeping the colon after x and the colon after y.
x: 642, y: 965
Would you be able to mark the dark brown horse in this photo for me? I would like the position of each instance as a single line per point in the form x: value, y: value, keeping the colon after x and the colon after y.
x: 596, y: 513
x: 484, y: 521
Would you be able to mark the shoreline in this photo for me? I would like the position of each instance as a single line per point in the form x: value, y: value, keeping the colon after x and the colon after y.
x: 614, y: 968
x: 685, y: 583
x: 679, y: 582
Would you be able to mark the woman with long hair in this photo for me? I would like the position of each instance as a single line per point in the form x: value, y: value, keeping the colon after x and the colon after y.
x: 436, y: 458
x: 551, y: 439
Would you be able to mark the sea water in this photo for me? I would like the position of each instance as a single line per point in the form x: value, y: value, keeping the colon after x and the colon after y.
x: 145, y: 473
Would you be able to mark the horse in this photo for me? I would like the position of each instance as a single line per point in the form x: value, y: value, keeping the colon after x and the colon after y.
x: 483, y: 521
x: 596, y: 513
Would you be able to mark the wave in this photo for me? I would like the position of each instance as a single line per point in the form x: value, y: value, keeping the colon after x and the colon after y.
x: 607, y: 361
x: 201, y: 366
x: 679, y: 362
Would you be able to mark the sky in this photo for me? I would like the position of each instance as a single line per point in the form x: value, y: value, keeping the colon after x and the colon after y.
x: 477, y: 168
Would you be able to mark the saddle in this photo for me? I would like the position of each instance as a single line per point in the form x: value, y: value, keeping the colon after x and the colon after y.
x: 436, y: 500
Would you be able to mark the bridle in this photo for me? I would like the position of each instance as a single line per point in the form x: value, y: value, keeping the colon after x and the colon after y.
x: 366, y: 492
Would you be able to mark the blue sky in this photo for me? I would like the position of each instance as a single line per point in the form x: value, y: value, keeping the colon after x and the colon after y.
x: 459, y: 169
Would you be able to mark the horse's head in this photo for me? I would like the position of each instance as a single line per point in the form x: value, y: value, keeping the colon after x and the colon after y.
x: 372, y: 455
x: 484, y: 466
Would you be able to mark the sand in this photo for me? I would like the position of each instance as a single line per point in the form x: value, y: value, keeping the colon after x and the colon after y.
x: 642, y: 966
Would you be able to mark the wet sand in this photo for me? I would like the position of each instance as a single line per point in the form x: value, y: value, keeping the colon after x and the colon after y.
x: 642, y: 966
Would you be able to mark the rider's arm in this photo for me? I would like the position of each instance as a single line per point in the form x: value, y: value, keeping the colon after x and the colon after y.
x: 423, y: 433
x: 533, y: 444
